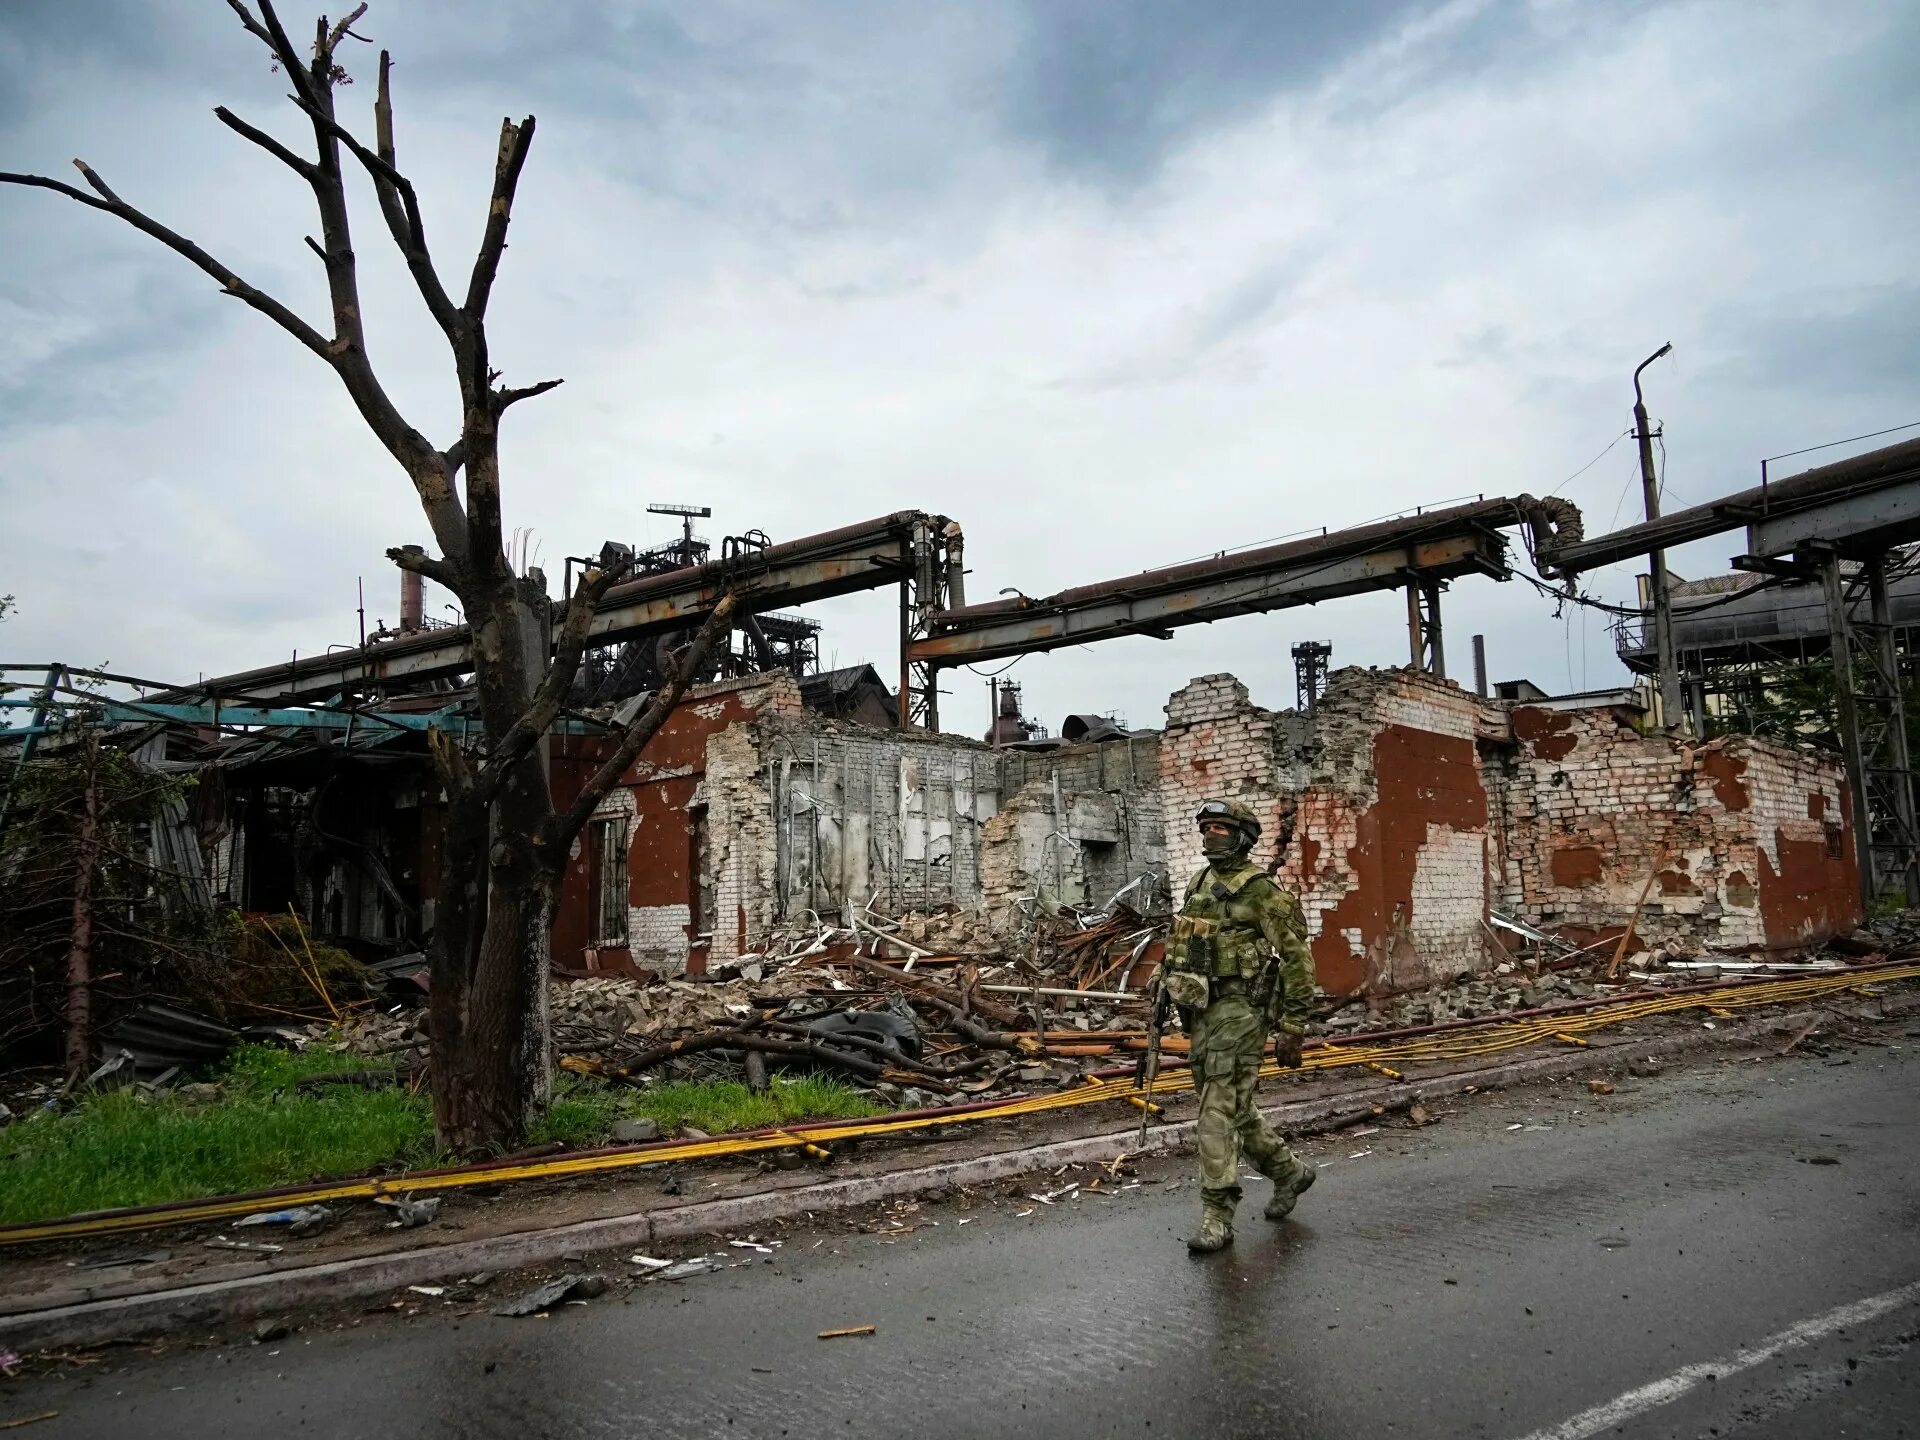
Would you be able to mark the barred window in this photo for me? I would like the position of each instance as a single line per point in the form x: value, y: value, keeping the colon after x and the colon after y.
x: 608, y: 857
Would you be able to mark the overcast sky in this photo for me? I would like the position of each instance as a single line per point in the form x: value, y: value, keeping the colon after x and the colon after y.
x: 1114, y: 285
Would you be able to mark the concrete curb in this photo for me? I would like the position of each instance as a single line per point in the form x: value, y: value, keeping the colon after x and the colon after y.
x: 98, y: 1322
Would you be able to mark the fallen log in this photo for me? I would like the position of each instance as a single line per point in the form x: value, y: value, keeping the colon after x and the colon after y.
x: 921, y: 985
x: 883, y: 1050
x: 970, y: 1029
x: 771, y: 1045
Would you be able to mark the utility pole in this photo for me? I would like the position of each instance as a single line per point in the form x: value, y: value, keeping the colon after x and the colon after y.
x: 1671, y: 708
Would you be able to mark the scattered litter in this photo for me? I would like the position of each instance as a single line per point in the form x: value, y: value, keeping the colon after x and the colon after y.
x: 686, y: 1269
x: 751, y: 1245
x: 848, y: 1331
x: 221, y: 1242
x: 28, y: 1420
x: 1418, y: 1115
x: 1359, y: 1154
x: 554, y: 1292
x: 409, y: 1213
x: 967, y: 1221
x: 648, y: 1262
x: 9, y: 1361
x: 1600, y: 1087
x: 301, y: 1221
x: 432, y: 1292
x: 1516, y: 1127
x: 1021, y: 1214
x: 1369, y: 1130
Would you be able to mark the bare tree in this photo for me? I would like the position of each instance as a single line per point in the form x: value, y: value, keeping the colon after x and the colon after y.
x: 505, y: 843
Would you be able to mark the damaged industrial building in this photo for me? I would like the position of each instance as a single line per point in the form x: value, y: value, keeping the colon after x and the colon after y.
x: 1424, y: 823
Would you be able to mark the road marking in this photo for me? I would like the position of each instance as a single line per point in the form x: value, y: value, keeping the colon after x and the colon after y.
x: 1671, y: 1388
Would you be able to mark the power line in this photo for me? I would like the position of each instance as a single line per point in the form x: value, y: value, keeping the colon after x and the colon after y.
x: 1590, y: 464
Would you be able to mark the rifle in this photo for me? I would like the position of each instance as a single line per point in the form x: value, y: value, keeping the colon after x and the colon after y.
x: 1147, y: 1069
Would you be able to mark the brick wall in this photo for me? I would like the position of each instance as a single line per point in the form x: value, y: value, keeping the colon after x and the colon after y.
x: 1747, y: 843
x: 1417, y: 807
x: 659, y: 795
x: 1383, y: 791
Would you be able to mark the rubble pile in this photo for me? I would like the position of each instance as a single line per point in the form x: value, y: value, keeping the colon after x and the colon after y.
x: 885, y: 1004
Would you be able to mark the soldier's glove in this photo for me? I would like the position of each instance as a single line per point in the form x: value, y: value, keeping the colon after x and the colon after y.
x: 1286, y: 1049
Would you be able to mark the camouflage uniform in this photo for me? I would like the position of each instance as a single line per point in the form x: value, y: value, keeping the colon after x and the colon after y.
x: 1244, y: 937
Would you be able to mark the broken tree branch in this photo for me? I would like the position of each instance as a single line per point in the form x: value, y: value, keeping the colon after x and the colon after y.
x: 504, y: 397
x: 301, y: 166
x: 1620, y: 950
x: 750, y: 1040
x: 231, y: 283
x: 515, y: 141
x: 416, y: 560
x: 958, y: 1002
x: 551, y: 694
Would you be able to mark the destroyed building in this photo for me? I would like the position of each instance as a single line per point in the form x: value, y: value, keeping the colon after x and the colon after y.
x: 1418, y: 816
x: 1416, y: 810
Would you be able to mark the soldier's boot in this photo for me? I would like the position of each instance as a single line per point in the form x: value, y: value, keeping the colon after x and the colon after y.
x: 1216, y: 1226
x: 1287, y: 1190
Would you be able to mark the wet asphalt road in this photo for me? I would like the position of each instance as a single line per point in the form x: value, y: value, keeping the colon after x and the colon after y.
x: 1464, y: 1280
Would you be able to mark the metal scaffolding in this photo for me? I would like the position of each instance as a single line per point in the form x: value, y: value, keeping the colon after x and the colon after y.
x: 1873, y: 726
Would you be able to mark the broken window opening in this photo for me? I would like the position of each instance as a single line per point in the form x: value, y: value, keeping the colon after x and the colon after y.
x: 608, y: 849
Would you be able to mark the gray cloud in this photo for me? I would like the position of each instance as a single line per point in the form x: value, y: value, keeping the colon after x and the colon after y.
x: 1112, y: 284
x: 1106, y: 90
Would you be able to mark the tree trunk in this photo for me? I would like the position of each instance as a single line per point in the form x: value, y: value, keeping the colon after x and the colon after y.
x: 80, y: 940
x: 491, y: 1061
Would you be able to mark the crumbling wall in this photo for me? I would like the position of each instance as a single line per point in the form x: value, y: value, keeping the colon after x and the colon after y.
x: 1395, y: 778
x: 659, y: 795
x: 903, y: 821
x: 1738, y: 844
x: 1382, y: 788
x: 1801, y: 811
x: 1415, y: 807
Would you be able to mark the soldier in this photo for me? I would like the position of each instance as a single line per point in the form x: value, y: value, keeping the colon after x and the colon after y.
x: 1237, y: 965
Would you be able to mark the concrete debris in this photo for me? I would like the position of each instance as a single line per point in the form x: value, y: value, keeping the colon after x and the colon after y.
x: 637, y: 1130
x: 686, y: 1269
x: 268, y: 1331
x: 555, y: 1292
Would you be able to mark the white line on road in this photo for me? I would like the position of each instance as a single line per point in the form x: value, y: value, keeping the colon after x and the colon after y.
x: 1671, y: 1388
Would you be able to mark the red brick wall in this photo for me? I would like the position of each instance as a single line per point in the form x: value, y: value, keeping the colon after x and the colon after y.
x: 656, y: 794
x: 1748, y: 844
x: 1393, y: 852
x: 1417, y: 808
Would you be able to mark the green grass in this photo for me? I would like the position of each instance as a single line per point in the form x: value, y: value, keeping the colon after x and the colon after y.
x: 116, y: 1150
x: 719, y: 1106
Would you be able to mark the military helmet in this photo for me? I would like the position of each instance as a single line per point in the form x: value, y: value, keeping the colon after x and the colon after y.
x: 1230, y: 812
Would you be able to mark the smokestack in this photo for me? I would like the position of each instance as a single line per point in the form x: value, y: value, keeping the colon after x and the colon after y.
x: 413, y: 602
x: 1480, y: 666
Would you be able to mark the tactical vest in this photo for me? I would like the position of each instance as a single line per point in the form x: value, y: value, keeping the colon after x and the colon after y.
x: 1207, y: 940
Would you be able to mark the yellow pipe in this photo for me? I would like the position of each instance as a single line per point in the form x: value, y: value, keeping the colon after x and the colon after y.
x: 1467, y: 1044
